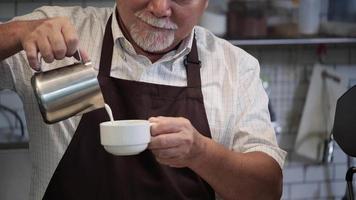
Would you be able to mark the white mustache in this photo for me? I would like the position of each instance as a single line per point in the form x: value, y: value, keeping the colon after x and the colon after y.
x: 164, y: 23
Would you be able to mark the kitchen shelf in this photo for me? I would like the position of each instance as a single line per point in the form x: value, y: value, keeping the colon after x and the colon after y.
x: 293, y: 41
x: 14, y: 145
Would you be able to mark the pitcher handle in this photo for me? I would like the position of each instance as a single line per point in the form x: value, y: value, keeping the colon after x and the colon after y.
x: 77, y: 55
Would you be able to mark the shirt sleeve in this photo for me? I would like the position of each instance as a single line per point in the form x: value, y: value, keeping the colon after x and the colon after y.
x: 253, y: 129
x: 15, y: 70
x: 11, y: 69
x: 44, y: 12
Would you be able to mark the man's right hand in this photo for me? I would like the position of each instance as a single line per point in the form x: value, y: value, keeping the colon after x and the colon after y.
x: 54, y: 38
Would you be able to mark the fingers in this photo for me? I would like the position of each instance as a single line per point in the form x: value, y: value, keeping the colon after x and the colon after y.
x: 165, y: 141
x: 58, y: 45
x: 45, y: 50
x: 170, y: 153
x: 163, y: 125
x: 54, y: 38
x: 70, y: 37
x: 173, y: 157
x: 85, y: 56
x: 32, y: 57
x: 174, y: 142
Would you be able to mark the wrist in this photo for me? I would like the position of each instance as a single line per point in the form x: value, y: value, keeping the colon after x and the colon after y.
x: 204, y: 144
x: 23, y: 29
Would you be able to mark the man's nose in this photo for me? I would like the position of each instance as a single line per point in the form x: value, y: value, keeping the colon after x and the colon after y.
x: 160, y: 8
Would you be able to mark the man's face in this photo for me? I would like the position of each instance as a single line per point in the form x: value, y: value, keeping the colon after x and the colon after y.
x: 159, y: 25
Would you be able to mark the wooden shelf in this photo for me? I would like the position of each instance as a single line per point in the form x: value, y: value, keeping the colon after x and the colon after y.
x: 297, y: 41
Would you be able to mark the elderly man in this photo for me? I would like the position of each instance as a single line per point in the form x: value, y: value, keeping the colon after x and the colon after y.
x: 211, y: 134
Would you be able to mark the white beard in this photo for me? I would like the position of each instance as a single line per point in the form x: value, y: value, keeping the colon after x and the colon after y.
x: 153, y: 41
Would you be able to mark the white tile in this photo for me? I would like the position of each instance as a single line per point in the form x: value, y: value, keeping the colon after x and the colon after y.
x: 332, y: 189
x: 304, y: 191
x: 293, y: 175
x: 339, y: 156
x: 318, y: 173
x: 349, y: 71
x: 340, y: 172
x: 291, y: 162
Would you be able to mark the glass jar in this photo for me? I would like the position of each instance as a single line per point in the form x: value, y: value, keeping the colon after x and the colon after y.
x: 247, y: 19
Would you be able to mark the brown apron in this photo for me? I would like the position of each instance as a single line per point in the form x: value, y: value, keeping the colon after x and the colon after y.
x: 87, y: 171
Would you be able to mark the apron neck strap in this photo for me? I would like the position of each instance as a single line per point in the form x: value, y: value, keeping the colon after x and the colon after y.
x: 191, y: 61
x: 193, y: 64
x: 106, y: 50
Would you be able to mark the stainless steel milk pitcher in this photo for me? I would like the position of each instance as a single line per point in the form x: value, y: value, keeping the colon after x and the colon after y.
x: 67, y: 91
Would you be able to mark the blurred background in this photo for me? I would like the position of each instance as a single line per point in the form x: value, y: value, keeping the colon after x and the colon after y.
x: 307, y: 53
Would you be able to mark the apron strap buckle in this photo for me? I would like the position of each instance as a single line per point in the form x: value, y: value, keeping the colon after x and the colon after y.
x: 192, y: 62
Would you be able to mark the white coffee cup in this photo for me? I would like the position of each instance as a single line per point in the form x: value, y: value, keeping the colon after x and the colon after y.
x: 125, y: 137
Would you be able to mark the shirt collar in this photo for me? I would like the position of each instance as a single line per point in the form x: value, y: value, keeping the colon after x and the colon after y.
x: 116, y: 31
x: 185, y: 46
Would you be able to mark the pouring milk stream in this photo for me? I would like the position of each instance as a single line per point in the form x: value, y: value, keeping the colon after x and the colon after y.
x: 108, y: 110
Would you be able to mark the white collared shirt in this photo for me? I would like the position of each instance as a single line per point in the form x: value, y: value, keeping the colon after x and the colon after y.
x: 234, y: 99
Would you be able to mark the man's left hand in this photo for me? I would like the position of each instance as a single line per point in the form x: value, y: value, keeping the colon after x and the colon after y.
x: 175, y: 142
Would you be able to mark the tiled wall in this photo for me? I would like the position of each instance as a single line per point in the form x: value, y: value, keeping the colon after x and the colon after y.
x: 288, y: 69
